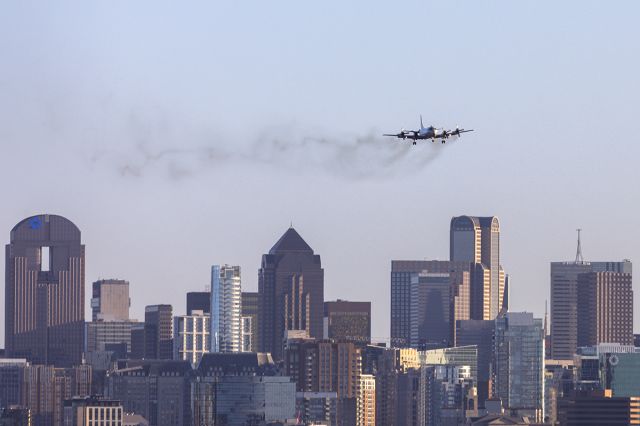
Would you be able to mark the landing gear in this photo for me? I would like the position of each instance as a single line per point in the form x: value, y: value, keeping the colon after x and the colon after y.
x: 414, y: 142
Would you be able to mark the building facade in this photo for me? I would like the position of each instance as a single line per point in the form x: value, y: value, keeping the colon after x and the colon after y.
x: 564, y: 301
x: 347, y: 321
x: 479, y: 333
x: 605, y: 308
x: 110, y: 300
x: 366, y: 415
x: 405, y: 308
x: 226, y: 309
x: 199, y: 301
x: 250, y: 310
x: 191, y: 337
x: 44, y: 291
x: 92, y: 411
x: 477, y: 240
x: 519, y: 363
x: 290, y: 281
x: 158, y: 334
x: 100, y: 334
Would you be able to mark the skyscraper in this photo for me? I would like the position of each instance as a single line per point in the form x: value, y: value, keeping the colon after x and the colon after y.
x: 564, y: 301
x: 430, y: 310
x: 291, y: 288
x: 404, y: 309
x: 519, y: 363
x: 480, y: 334
x: 605, y: 308
x: 44, y: 291
x: 199, y: 301
x: 158, y: 335
x: 250, y: 315
x: 348, y: 321
x: 110, y: 300
x: 477, y: 240
x: 226, y: 309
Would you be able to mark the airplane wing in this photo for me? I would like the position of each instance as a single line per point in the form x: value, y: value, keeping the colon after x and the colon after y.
x: 403, y: 134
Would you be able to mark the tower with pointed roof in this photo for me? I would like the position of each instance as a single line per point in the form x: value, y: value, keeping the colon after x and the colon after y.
x: 291, y: 293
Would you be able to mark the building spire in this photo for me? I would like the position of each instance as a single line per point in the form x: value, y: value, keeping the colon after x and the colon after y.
x: 579, y: 258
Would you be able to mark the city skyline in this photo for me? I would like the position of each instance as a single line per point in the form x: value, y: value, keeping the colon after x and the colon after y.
x: 89, y: 94
x: 380, y: 335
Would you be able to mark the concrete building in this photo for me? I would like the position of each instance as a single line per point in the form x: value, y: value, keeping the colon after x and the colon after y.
x: 158, y: 334
x: 564, y: 301
x: 605, y: 308
x: 250, y: 308
x: 110, y: 300
x: 519, y: 364
x: 199, y: 301
x: 366, y: 412
x: 92, y: 411
x: 477, y: 240
x: 44, y: 291
x: 403, y: 306
x: 290, y: 281
x: 101, y: 334
x: 347, y: 321
x: 226, y: 309
x: 191, y: 337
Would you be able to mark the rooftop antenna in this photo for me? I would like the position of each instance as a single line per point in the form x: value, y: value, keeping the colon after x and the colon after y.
x: 579, y: 258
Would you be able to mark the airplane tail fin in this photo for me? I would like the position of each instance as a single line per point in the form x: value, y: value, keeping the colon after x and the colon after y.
x: 421, y: 125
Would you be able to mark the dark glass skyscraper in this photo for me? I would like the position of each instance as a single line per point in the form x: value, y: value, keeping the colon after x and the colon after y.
x: 44, y: 291
x: 291, y: 293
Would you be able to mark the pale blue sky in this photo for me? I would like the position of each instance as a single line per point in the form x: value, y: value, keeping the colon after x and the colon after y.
x: 177, y: 135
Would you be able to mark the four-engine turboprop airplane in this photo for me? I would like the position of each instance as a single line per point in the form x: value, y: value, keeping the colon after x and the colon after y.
x: 429, y: 132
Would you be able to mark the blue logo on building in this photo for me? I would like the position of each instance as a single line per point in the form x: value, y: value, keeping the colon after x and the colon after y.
x: 35, y: 223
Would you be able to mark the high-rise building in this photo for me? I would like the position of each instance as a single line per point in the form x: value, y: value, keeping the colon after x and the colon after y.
x: 564, y: 300
x: 348, y: 321
x: 159, y: 390
x: 44, y: 389
x: 291, y: 288
x: 241, y: 389
x: 477, y: 240
x: 226, y: 309
x: 366, y: 412
x: 519, y: 363
x: 459, y: 356
x: 92, y: 411
x: 101, y: 334
x: 605, y: 308
x: 11, y: 371
x: 250, y: 313
x: 44, y: 291
x: 138, y: 346
x: 158, y: 334
x: 110, y: 300
x: 404, y: 309
x: 191, y: 336
x: 479, y: 333
x: 199, y: 301
x: 430, y: 310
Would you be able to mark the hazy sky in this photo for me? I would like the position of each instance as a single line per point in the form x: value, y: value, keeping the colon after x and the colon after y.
x: 177, y: 136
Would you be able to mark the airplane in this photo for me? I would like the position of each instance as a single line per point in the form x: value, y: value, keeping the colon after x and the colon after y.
x: 429, y: 132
